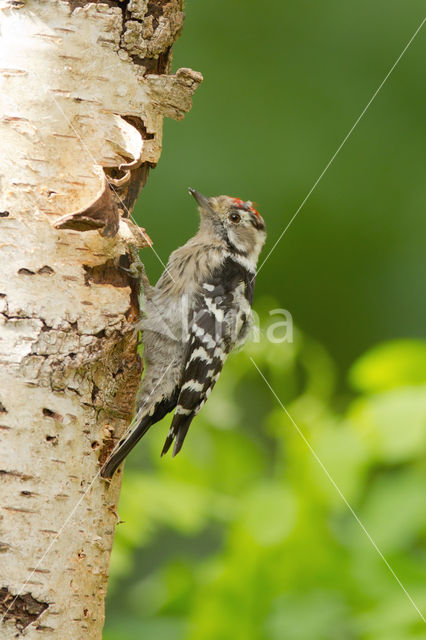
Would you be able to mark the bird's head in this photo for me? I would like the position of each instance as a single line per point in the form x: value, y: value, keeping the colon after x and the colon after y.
x: 234, y: 222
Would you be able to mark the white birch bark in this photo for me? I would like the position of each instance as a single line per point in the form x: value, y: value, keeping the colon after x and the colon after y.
x: 70, y: 165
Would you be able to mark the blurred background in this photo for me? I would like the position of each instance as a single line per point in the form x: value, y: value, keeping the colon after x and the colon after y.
x: 244, y: 535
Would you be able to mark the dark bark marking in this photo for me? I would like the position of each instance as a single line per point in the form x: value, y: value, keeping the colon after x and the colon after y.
x: 46, y: 270
x: 15, y: 474
x: 23, y: 609
x: 50, y: 531
x: 132, y: 314
x: 82, y: 3
x: 155, y: 9
x: 95, y: 392
x: 106, y: 448
x: 48, y: 413
x: 106, y: 273
x: 26, y: 272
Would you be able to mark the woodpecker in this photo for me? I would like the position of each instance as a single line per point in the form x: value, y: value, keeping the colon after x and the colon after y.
x: 196, y: 314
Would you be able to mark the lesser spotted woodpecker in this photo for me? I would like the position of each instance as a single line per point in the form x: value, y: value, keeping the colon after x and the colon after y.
x: 199, y: 310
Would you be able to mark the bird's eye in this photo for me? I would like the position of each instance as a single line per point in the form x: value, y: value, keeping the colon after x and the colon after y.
x: 235, y: 217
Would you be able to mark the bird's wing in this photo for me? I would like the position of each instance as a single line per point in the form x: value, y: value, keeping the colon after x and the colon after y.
x: 207, y: 348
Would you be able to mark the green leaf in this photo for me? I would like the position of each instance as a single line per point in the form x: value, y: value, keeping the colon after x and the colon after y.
x: 392, y: 424
x: 390, y: 365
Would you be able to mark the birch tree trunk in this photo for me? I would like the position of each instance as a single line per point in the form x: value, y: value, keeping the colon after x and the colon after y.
x: 83, y: 92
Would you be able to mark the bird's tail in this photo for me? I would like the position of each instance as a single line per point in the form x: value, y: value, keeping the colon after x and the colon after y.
x: 137, y: 430
x: 178, y: 430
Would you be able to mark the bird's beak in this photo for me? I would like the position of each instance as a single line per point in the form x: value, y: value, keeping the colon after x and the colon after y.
x: 201, y: 200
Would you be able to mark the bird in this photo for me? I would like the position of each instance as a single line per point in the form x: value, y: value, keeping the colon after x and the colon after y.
x: 196, y: 314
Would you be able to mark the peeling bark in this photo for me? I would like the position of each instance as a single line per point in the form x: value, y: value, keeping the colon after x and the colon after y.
x: 84, y: 90
x: 23, y: 610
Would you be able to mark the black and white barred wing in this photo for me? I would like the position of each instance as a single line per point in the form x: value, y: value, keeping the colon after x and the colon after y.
x: 207, y: 348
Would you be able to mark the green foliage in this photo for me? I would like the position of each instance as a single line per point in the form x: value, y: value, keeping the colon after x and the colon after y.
x: 390, y: 365
x: 244, y: 536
